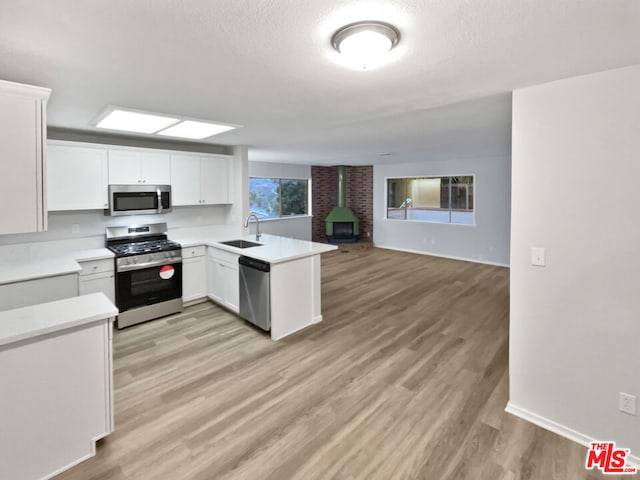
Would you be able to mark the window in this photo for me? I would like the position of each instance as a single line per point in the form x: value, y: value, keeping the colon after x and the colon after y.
x: 431, y: 199
x: 278, y: 197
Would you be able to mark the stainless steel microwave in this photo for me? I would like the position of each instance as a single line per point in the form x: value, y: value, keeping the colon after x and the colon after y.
x: 139, y: 199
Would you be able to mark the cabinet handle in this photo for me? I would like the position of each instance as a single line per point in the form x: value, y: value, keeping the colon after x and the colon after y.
x: 144, y: 181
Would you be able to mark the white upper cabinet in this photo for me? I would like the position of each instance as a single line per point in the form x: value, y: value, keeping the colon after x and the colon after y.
x: 23, y: 130
x: 155, y: 168
x: 185, y: 179
x: 79, y: 175
x: 199, y: 179
x: 128, y: 167
x: 77, y: 178
x: 215, y: 184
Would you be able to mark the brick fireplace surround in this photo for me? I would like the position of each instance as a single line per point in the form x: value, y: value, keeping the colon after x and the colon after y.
x: 324, y: 196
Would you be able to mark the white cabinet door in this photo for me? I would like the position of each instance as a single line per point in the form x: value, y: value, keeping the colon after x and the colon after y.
x: 124, y: 167
x: 214, y: 184
x: 76, y: 178
x: 231, y: 287
x: 215, y: 282
x: 98, y: 282
x: 22, y: 130
x: 185, y: 179
x: 194, y: 278
x: 155, y: 168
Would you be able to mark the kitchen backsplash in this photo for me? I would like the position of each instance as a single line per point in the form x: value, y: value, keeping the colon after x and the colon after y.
x: 88, y: 227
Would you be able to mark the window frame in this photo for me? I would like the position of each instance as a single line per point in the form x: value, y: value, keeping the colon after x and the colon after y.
x: 397, y: 177
x: 280, y: 216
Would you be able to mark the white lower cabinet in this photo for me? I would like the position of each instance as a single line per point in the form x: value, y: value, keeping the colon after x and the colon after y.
x: 223, y: 285
x: 194, y: 273
x: 40, y: 290
x: 232, y: 287
x: 97, y: 276
x: 57, y: 399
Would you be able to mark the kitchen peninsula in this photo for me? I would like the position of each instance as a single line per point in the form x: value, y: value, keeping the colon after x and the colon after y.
x: 295, y: 298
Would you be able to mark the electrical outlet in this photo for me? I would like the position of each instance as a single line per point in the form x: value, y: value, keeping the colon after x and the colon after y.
x: 627, y: 403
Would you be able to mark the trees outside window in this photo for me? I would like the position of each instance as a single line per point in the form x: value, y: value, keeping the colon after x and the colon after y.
x: 278, y: 197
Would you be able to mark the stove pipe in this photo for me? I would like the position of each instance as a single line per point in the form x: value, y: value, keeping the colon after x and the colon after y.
x: 342, y: 186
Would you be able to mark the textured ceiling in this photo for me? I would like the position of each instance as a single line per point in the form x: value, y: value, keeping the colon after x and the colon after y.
x: 269, y: 65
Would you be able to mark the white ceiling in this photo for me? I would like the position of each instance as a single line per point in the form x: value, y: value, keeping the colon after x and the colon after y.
x: 269, y: 65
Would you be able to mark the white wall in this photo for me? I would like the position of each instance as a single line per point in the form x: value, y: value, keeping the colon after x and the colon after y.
x: 575, y: 324
x: 295, y: 227
x: 487, y: 241
x: 278, y: 170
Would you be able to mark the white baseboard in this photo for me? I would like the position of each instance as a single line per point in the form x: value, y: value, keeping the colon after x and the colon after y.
x: 560, y: 429
x: 189, y: 303
x: 451, y: 257
x: 316, y: 319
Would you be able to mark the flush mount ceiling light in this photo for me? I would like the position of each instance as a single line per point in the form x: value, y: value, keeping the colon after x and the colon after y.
x: 366, y: 44
x: 128, y: 120
x: 133, y: 121
x: 195, y: 130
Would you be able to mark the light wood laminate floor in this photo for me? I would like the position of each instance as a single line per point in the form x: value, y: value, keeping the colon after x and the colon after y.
x: 406, y: 378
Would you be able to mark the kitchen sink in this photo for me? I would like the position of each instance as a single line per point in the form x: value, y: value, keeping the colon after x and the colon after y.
x: 241, y: 243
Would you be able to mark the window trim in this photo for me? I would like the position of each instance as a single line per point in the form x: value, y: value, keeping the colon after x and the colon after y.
x: 280, y: 216
x: 386, y: 199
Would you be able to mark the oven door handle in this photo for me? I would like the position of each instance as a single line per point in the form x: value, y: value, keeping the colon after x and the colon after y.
x: 141, y: 266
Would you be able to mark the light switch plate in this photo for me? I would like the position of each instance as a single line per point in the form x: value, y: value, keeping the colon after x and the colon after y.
x: 537, y: 256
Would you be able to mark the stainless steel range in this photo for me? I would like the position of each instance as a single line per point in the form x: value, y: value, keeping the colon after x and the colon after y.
x: 148, y: 272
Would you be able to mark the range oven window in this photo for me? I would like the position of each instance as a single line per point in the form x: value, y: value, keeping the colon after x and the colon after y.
x: 136, y: 201
x: 137, y: 288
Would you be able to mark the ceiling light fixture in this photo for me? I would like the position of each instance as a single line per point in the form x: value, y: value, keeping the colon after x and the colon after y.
x: 366, y: 44
x: 195, y: 130
x: 133, y: 121
x: 137, y: 121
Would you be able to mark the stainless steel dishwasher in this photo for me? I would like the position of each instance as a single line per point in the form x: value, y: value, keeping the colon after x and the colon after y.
x: 255, y: 292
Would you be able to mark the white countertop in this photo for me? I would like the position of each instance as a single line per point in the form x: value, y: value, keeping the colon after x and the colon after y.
x: 20, y: 269
x: 93, y: 254
x: 37, y: 320
x: 274, y: 249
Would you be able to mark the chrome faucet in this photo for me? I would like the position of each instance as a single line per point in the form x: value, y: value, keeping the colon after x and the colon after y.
x: 246, y: 224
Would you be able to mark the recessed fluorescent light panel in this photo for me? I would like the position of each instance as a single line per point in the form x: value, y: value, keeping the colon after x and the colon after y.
x: 131, y: 121
x: 195, y: 130
x: 127, y: 120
